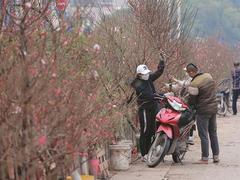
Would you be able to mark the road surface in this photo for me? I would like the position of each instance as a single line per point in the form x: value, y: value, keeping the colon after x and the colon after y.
x: 228, y: 168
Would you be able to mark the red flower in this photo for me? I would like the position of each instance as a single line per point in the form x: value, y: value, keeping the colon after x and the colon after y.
x: 57, y: 91
x: 42, y: 140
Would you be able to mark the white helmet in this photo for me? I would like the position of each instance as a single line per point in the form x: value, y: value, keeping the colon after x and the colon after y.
x: 143, y: 69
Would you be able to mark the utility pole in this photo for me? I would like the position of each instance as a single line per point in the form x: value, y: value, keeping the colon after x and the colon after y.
x: 174, y: 11
x: 177, y: 13
x: 178, y: 18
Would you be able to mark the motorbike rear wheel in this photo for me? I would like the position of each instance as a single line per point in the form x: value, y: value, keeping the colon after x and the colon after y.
x: 179, y: 154
x: 158, y: 149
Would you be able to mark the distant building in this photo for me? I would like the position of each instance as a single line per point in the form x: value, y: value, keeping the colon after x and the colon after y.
x: 115, y: 4
x: 92, y: 3
x: 95, y: 8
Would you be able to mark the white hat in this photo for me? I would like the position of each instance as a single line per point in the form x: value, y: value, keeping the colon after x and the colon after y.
x: 143, y: 69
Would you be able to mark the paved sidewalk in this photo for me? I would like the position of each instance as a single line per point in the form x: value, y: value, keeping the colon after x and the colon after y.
x: 228, y: 168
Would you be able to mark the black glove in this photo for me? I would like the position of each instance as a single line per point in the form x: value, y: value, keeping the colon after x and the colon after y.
x: 162, y: 61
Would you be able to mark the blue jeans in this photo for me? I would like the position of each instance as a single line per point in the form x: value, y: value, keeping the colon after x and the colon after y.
x: 207, y: 126
x: 236, y: 93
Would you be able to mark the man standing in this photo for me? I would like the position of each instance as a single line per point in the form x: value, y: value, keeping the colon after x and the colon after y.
x: 236, y: 86
x: 148, y: 107
x: 202, y: 96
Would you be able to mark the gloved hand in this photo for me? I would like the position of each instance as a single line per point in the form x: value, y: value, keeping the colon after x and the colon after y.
x: 162, y: 61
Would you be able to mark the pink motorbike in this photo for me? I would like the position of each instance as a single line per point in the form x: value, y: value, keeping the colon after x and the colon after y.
x: 175, y: 121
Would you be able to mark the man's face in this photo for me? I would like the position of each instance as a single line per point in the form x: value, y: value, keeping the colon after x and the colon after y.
x: 191, y: 74
x: 145, y: 76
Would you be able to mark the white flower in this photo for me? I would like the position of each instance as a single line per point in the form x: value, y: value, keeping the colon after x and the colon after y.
x: 116, y: 29
x: 96, y: 47
x: 95, y: 74
x: 18, y: 109
x: 43, y: 61
x: 52, y: 166
x: 28, y: 5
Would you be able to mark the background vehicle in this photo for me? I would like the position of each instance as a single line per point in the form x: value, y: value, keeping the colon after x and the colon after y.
x: 223, y: 97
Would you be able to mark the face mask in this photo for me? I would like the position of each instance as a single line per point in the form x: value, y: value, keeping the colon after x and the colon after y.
x: 145, y: 77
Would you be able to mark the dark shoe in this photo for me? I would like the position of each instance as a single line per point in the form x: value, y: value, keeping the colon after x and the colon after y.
x: 216, y: 159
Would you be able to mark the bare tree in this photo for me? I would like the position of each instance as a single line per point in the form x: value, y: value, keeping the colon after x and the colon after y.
x: 214, y: 57
x: 139, y: 35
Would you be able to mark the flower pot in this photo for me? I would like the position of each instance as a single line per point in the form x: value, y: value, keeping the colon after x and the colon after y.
x: 87, y: 177
x: 119, y: 156
x: 75, y: 175
x: 130, y: 143
x: 94, y: 167
x: 84, y: 165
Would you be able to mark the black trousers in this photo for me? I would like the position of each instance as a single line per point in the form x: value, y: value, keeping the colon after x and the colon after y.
x: 236, y: 94
x: 191, y: 130
x: 147, y: 127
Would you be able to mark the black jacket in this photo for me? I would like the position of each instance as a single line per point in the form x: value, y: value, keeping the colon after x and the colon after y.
x: 145, y: 88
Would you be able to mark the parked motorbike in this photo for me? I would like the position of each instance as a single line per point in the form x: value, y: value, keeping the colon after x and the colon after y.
x: 176, y: 120
x: 223, y: 97
x: 222, y: 103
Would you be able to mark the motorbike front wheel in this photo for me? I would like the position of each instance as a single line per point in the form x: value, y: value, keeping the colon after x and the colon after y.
x: 158, y: 150
x: 222, y: 108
